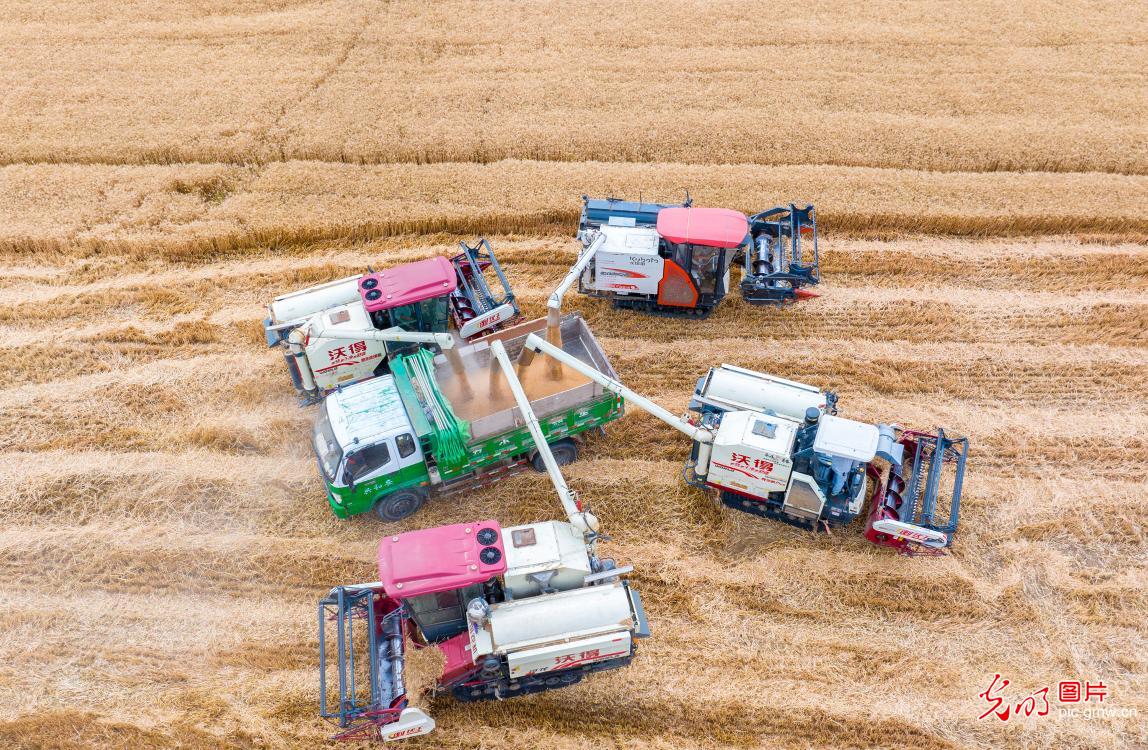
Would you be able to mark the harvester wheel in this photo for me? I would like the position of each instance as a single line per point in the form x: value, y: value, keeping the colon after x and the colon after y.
x: 399, y: 505
x: 565, y: 452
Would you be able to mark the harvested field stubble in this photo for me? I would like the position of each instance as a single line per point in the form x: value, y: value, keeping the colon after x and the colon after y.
x: 981, y: 181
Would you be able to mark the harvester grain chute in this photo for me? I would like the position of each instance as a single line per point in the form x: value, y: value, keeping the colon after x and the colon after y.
x: 513, y: 610
x: 777, y: 448
x: 676, y: 259
x: 348, y: 330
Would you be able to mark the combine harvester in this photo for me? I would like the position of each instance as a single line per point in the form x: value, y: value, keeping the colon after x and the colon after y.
x: 348, y: 330
x: 512, y: 610
x: 442, y: 424
x: 777, y: 448
x: 676, y: 259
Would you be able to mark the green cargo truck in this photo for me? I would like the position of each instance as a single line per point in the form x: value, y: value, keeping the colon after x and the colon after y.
x: 438, y: 425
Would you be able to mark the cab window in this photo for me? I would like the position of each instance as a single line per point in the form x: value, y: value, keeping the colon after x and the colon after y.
x: 433, y: 314
x: 405, y: 317
x: 362, y: 462
x: 443, y: 613
x: 405, y: 444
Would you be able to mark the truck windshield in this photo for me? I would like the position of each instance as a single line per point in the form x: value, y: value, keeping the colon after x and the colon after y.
x: 326, y: 446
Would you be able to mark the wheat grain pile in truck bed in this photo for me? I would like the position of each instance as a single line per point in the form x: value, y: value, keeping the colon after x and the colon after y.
x: 981, y: 181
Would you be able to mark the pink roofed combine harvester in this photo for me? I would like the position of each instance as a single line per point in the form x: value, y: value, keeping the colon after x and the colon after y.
x: 348, y: 330
x: 512, y: 610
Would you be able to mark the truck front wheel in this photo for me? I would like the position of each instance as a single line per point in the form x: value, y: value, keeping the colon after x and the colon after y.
x: 565, y: 452
x: 399, y: 505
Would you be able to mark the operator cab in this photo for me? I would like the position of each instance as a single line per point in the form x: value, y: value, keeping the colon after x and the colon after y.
x: 438, y: 572
x: 701, y: 243
x: 414, y: 297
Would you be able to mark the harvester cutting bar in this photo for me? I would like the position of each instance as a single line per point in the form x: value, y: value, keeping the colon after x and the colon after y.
x: 777, y: 264
x: 470, y: 264
x: 905, y: 512
x: 379, y: 702
x: 928, y: 463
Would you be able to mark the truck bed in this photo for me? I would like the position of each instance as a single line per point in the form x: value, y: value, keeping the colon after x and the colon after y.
x: 478, y: 391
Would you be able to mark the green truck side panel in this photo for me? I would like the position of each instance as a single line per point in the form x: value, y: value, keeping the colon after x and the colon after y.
x: 479, y: 455
x: 518, y: 441
x: 360, y: 499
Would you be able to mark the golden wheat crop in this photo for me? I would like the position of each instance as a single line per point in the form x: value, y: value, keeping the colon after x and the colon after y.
x: 981, y: 179
x: 937, y: 87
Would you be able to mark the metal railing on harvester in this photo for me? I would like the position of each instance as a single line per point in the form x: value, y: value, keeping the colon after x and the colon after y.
x: 779, y: 264
x: 361, y: 709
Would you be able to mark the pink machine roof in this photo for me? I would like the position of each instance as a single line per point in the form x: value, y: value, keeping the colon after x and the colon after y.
x: 712, y: 227
x: 403, y: 285
x: 440, y: 559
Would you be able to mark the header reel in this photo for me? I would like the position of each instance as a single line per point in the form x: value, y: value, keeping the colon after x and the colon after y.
x: 777, y: 266
x: 908, y: 514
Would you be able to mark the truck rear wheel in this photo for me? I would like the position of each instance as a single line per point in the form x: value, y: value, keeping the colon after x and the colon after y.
x: 565, y: 452
x: 399, y: 505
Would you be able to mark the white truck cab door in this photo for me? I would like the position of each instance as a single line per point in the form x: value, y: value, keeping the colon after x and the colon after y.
x: 383, y: 457
x: 407, y: 450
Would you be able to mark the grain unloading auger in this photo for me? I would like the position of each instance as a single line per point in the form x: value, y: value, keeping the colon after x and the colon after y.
x: 513, y: 611
x: 348, y: 330
x: 777, y: 448
x: 676, y: 259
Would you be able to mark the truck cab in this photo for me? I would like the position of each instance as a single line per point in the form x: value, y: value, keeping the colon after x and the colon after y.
x: 366, y: 446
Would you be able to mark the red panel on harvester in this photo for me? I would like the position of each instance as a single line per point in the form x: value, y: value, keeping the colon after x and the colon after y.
x: 440, y: 559
x: 712, y: 227
x: 458, y: 659
x: 404, y: 285
x: 676, y: 289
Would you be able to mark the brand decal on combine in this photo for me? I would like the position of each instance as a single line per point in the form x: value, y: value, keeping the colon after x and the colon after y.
x: 349, y: 356
x: 623, y: 272
x: 565, y: 661
x: 754, y: 468
x: 488, y: 320
x: 405, y: 733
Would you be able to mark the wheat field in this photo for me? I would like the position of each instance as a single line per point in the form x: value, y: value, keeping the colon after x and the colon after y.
x: 980, y: 172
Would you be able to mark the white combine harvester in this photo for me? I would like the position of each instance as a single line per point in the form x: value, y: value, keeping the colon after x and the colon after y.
x: 347, y: 330
x: 777, y: 448
x: 513, y: 610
